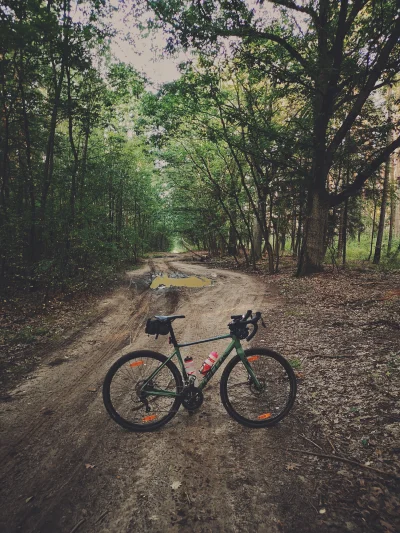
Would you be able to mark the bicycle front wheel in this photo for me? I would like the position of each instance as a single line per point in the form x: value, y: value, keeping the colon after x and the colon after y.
x: 261, y: 406
x: 127, y: 391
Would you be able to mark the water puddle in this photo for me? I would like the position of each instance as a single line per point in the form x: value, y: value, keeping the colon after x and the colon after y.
x: 191, y: 281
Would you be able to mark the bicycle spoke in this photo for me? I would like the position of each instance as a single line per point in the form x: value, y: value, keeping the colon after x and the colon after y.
x: 131, y: 387
x: 269, y: 398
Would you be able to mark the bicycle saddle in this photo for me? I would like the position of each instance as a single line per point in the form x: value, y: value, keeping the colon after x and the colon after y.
x: 168, y: 318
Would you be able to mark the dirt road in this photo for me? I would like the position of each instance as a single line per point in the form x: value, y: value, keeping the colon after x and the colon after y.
x: 65, y: 463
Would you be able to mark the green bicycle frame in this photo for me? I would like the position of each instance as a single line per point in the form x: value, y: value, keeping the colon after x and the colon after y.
x: 234, y: 344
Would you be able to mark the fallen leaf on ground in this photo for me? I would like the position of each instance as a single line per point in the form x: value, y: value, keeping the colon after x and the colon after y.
x: 29, y: 499
x: 175, y: 485
x: 88, y: 465
x: 292, y: 466
x: 388, y: 526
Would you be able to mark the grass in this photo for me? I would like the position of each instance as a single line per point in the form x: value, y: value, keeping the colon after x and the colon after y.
x: 25, y: 335
x: 359, y: 251
x: 295, y: 363
x: 293, y: 312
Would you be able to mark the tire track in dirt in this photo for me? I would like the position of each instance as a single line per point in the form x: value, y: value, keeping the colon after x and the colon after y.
x: 114, y: 343
x: 72, y: 400
x: 202, y: 456
x: 133, y: 473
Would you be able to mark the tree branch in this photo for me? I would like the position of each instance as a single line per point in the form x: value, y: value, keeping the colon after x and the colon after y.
x: 337, y: 48
x: 255, y: 34
x: 368, y: 88
x: 362, y: 177
x: 292, y: 5
x: 358, y: 5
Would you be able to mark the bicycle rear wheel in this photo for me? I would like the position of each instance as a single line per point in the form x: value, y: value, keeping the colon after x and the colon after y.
x: 258, y: 408
x: 123, y: 391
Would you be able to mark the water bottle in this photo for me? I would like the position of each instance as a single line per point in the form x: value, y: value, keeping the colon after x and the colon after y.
x: 208, y: 363
x: 190, y: 366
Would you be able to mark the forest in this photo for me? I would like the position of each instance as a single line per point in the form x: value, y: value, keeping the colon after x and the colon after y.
x: 279, y: 137
x: 258, y: 177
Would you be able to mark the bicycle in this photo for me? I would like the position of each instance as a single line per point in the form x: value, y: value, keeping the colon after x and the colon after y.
x: 143, y: 390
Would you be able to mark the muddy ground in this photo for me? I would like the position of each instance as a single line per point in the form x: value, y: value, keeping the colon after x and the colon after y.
x: 66, y: 466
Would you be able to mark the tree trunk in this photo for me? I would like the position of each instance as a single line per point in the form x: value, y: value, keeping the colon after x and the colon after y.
x: 373, y: 227
x: 277, y: 251
x: 314, y: 243
x: 340, y: 234
x: 381, y: 226
x: 28, y: 151
x: 49, y: 160
x: 257, y: 240
x: 386, y: 184
x: 232, y: 247
x: 5, y: 161
x: 299, y: 233
x: 293, y: 228
x: 393, y: 203
x: 344, y: 236
x: 74, y: 173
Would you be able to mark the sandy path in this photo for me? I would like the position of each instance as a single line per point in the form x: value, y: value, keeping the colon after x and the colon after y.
x: 57, y: 424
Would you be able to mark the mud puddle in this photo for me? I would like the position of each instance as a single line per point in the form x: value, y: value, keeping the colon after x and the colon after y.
x: 172, y: 281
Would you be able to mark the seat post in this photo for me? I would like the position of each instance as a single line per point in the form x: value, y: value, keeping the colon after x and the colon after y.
x: 173, y: 338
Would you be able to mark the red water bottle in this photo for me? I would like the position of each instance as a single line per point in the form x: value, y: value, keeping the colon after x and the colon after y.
x: 208, y: 363
x: 189, y: 366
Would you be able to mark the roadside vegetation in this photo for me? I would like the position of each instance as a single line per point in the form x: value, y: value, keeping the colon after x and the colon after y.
x: 276, y: 152
x: 251, y: 152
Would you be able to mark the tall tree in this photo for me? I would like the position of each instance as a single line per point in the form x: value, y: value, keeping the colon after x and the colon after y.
x: 340, y: 52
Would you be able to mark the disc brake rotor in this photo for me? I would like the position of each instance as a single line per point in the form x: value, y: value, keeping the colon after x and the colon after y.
x: 258, y: 391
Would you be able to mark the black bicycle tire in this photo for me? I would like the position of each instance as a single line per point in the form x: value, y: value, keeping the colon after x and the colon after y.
x: 107, y: 398
x: 224, y: 392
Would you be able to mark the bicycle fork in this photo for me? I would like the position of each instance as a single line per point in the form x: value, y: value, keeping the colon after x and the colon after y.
x: 247, y: 365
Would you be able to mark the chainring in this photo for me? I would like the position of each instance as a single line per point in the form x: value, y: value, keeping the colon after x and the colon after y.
x: 192, y: 398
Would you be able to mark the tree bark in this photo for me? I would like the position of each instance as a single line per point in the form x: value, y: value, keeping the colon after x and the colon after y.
x: 314, y: 242
x: 232, y: 247
x: 76, y: 160
x: 373, y: 224
x: 257, y: 240
x: 5, y: 162
x: 393, y: 203
x: 382, y: 215
x: 49, y: 161
x: 28, y: 151
x: 386, y: 182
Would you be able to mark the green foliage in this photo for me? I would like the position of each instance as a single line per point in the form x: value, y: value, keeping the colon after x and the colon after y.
x: 95, y: 171
x: 79, y: 194
x: 295, y: 363
x: 317, y: 61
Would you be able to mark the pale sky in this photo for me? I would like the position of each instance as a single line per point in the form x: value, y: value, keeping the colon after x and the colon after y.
x: 147, y: 57
x: 146, y: 53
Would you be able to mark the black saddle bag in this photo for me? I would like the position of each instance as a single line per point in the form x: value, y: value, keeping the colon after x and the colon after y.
x: 155, y: 327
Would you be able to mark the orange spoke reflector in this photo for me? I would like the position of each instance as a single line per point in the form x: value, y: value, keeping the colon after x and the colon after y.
x: 264, y: 416
x: 136, y: 363
x: 253, y: 358
x: 149, y: 418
